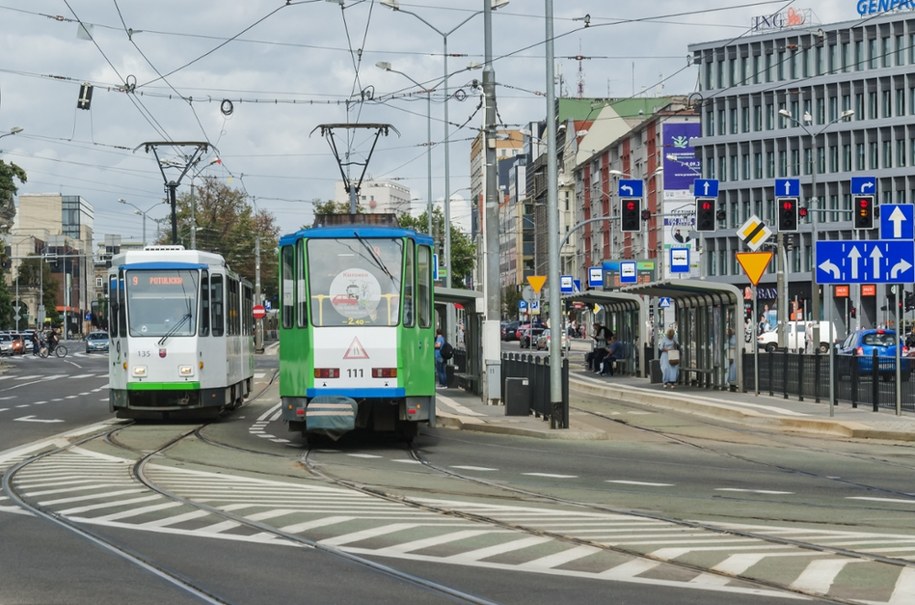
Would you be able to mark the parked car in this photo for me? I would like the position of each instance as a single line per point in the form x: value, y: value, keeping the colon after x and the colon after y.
x: 28, y: 346
x: 509, y: 329
x: 6, y: 343
x: 543, y: 342
x: 528, y: 335
x: 97, y: 342
x: 797, y: 336
x: 861, y: 345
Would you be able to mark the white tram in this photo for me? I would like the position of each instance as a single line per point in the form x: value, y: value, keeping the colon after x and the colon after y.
x: 181, y: 333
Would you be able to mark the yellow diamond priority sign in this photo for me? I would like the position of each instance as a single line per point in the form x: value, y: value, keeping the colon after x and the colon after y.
x: 536, y: 282
x: 754, y: 232
x: 754, y: 264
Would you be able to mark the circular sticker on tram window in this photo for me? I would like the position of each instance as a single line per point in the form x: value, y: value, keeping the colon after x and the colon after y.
x: 355, y: 293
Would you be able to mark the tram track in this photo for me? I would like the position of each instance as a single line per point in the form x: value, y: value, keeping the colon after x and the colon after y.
x: 143, y: 460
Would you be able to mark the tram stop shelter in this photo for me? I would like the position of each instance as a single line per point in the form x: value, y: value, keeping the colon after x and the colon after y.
x: 468, y: 356
x: 703, y: 312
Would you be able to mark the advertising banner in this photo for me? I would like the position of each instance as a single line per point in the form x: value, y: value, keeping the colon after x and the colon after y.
x: 681, y: 166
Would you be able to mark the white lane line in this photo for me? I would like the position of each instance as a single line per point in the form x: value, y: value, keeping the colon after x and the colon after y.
x: 770, y: 492
x: 818, y: 576
x: 551, y: 475
x: 369, y: 533
x: 887, y: 500
x: 7, y: 398
x: 644, y: 483
x: 96, y: 496
x: 498, y: 549
x: 484, y: 469
x: 83, y: 376
x: 90, y: 507
x: 304, y: 526
x: 905, y: 588
x: 630, y: 569
x: 422, y: 543
x: 176, y: 519
x: 405, y: 461
x: 561, y: 558
x: 3, y: 409
x: 363, y: 456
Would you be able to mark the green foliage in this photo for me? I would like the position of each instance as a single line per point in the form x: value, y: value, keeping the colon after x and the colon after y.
x: 463, y: 252
x: 34, y: 272
x: 228, y: 225
x: 9, y: 174
x: 511, y: 296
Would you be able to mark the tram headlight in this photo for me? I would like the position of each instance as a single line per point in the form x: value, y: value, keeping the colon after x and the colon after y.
x: 185, y: 370
x: 139, y: 371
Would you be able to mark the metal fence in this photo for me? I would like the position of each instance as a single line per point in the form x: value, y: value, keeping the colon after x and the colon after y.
x: 536, y: 369
x: 865, y: 381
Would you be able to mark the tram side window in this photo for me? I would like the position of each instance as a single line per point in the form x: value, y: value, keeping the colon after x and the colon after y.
x: 424, y: 291
x: 288, y: 278
x: 301, y: 299
x: 205, y: 304
x: 234, y: 305
x: 122, y: 305
x: 247, y: 321
x: 216, y: 306
x: 113, y: 306
x: 409, y: 279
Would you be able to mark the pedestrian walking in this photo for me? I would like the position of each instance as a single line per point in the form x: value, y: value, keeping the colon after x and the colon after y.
x: 670, y: 358
x: 732, y: 358
x: 440, y: 372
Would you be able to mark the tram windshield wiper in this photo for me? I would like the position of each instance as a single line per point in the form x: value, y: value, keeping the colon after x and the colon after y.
x: 175, y: 328
x: 378, y: 262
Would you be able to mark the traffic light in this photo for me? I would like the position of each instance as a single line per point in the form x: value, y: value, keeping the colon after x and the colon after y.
x: 909, y: 301
x: 705, y: 214
x: 631, y: 215
x: 863, y: 206
x: 787, y: 214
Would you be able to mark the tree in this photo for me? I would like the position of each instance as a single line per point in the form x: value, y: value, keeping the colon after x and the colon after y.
x: 9, y: 174
x: 35, y: 273
x: 228, y: 225
x: 463, y: 252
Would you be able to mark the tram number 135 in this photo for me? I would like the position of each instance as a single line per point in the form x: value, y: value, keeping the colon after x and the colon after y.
x: 354, y: 373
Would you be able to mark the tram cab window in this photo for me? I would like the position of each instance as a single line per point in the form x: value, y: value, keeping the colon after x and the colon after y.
x: 424, y: 291
x: 205, y: 304
x: 162, y: 303
x: 301, y: 299
x: 355, y: 282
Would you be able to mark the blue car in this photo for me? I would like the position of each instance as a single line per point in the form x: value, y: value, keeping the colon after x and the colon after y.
x: 861, y: 344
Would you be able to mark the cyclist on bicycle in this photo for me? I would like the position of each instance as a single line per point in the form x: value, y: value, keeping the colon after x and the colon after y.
x: 53, y: 340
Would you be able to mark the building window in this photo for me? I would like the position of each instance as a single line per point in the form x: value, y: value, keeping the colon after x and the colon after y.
x: 722, y: 169
x: 872, y: 53
x: 721, y: 126
x: 780, y: 68
x: 900, y: 153
x: 710, y: 123
x: 746, y: 167
x: 757, y: 165
x: 795, y: 163
x: 874, y: 159
x: 757, y: 118
x: 887, y: 104
x: 770, y: 116
x: 900, y: 101
x: 859, y: 156
x: 834, y: 158
x: 770, y: 164
x: 846, y: 157
x: 733, y: 120
x: 783, y: 163
x: 756, y: 69
x: 745, y: 119
x: 900, y: 51
x: 887, y: 155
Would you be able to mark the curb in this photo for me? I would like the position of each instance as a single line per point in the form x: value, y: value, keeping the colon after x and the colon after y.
x: 467, y: 423
x: 697, y: 405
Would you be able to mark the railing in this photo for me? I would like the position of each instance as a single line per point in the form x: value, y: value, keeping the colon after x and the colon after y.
x: 869, y: 380
x: 536, y: 369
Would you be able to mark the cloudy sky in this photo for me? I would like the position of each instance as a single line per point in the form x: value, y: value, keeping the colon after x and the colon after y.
x: 162, y: 70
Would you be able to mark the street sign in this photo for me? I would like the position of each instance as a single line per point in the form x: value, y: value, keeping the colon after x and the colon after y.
x: 873, y: 261
x: 754, y: 264
x: 664, y: 302
x: 522, y: 306
x: 705, y: 188
x: 576, y: 286
x: 630, y: 188
x: 864, y: 185
x: 628, y: 274
x: 536, y: 282
x: 566, y: 284
x: 595, y: 277
x: 534, y: 307
x: 258, y: 312
x: 435, y: 267
x: 267, y: 304
x: 787, y: 188
x: 754, y: 232
x: 678, y: 262
x: 896, y: 221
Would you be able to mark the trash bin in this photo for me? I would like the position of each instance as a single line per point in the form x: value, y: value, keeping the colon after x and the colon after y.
x: 517, y: 397
x: 655, y: 368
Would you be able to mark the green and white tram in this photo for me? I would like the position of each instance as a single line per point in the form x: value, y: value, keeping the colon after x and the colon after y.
x: 357, y: 330
x: 181, y: 333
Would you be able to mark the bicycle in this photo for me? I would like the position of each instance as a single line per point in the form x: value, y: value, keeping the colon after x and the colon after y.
x: 59, y: 351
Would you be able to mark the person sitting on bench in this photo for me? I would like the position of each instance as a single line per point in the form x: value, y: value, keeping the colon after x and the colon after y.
x: 614, y: 352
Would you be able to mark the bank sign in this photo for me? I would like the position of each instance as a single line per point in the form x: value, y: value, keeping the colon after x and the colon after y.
x: 793, y: 17
x: 873, y: 7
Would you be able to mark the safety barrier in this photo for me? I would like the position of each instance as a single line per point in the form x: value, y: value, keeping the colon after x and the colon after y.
x: 536, y: 369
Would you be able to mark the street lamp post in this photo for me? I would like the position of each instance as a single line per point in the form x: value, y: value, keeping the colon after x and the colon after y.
x: 12, y: 131
x: 428, y: 92
x: 142, y: 213
x: 395, y: 5
x: 812, y: 207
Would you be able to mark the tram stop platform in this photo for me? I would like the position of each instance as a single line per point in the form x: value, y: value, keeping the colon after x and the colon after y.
x: 460, y: 410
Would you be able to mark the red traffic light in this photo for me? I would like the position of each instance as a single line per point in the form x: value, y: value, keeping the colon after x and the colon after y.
x: 802, y: 212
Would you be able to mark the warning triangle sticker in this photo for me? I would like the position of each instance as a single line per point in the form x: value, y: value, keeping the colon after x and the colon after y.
x: 754, y: 264
x: 355, y: 350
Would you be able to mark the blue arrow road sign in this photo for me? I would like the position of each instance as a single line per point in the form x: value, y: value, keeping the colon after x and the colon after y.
x: 566, y: 285
x: 705, y: 188
x: 896, y: 221
x: 595, y: 277
x: 872, y: 261
x: 787, y: 188
x: 864, y: 185
x: 630, y: 188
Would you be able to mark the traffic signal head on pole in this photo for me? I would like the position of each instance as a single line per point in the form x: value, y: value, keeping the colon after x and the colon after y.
x: 787, y: 213
x: 705, y: 214
x: 631, y: 215
x: 863, y: 207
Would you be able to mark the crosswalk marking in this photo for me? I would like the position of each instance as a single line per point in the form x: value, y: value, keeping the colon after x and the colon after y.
x: 819, y: 575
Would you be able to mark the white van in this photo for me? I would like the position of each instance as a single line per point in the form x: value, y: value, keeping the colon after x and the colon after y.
x: 797, y: 336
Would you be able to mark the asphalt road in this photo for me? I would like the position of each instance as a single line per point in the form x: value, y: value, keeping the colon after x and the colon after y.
x: 496, y: 518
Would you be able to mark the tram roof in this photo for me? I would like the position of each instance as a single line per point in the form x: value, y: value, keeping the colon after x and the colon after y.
x: 348, y: 231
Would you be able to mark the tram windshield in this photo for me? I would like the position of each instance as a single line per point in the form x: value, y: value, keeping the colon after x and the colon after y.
x: 162, y: 303
x: 355, y: 282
